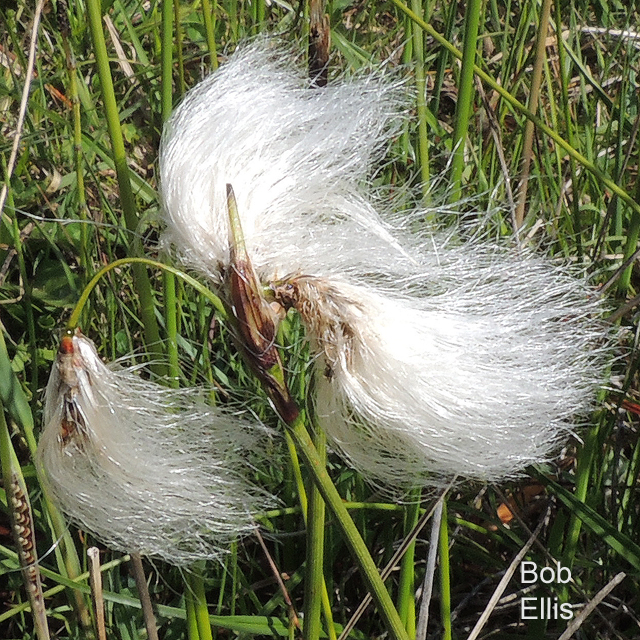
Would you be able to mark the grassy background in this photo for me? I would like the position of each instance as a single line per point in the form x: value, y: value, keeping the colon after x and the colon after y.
x: 64, y: 219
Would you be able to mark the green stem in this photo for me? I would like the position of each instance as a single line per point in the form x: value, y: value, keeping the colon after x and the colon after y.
x: 77, y: 150
x: 352, y: 535
x: 406, y: 581
x: 516, y: 104
x: 421, y: 100
x: 534, y: 96
x: 632, y: 235
x: 142, y: 283
x: 169, y: 282
x: 314, y: 575
x: 167, y: 59
x: 445, y: 579
x: 192, y: 620
x: 195, y: 583
x: 210, y: 31
x: 27, y: 306
x: 583, y: 477
x: 200, y: 288
x: 182, y: 86
x: 565, y: 77
x: 304, y: 508
x: 465, y: 94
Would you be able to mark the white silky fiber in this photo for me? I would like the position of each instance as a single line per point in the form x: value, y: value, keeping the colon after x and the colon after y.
x: 145, y: 468
x: 435, y: 358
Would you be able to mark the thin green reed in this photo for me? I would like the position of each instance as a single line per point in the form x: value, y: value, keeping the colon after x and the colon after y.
x: 351, y: 534
x: 534, y: 96
x: 466, y: 93
x: 182, y: 86
x: 127, y: 199
x: 445, y: 574
x: 421, y: 98
x: 407, y: 580
x: 194, y: 580
x: 314, y: 584
x: 27, y: 299
x: 169, y: 282
x: 210, y: 30
x: 520, y: 107
x: 78, y: 156
x: 565, y: 77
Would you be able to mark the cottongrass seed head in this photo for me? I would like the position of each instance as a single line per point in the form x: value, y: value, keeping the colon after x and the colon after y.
x: 293, y: 154
x: 145, y: 468
x: 417, y: 387
x: 435, y: 358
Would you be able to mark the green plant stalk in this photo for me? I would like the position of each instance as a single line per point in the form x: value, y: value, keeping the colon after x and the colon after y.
x: 628, y: 502
x: 583, y: 477
x: 141, y: 279
x: 304, y: 508
x: 27, y: 305
x: 297, y: 474
x: 234, y: 577
x: 629, y: 249
x: 443, y: 57
x: 407, y: 56
x: 534, y: 97
x: 406, y: 582
x: 169, y: 281
x: 192, y: 620
x: 258, y: 15
x: 77, y: 152
x: 195, y: 583
x: 632, y: 240
x: 182, y: 86
x: 445, y: 578
x: 352, y: 535
x: 200, y: 288
x: 516, y: 104
x: 22, y: 526
x: 421, y: 100
x: 465, y: 95
x: 210, y: 31
x: 314, y: 575
x: 171, y: 326
x: 167, y: 60
x: 568, y: 123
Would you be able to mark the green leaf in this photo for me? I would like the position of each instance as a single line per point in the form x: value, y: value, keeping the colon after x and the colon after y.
x: 620, y: 543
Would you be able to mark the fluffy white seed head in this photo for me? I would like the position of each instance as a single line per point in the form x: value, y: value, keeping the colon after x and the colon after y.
x: 143, y: 467
x: 435, y: 359
x: 294, y: 155
x: 478, y: 376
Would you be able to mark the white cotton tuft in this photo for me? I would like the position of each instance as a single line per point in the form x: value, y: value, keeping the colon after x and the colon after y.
x: 294, y: 155
x: 434, y: 360
x: 145, y: 468
x: 416, y: 388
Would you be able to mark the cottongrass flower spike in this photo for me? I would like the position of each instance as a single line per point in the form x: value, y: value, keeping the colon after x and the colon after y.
x: 144, y: 468
x: 434, y: 359
x: 477, y: 381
